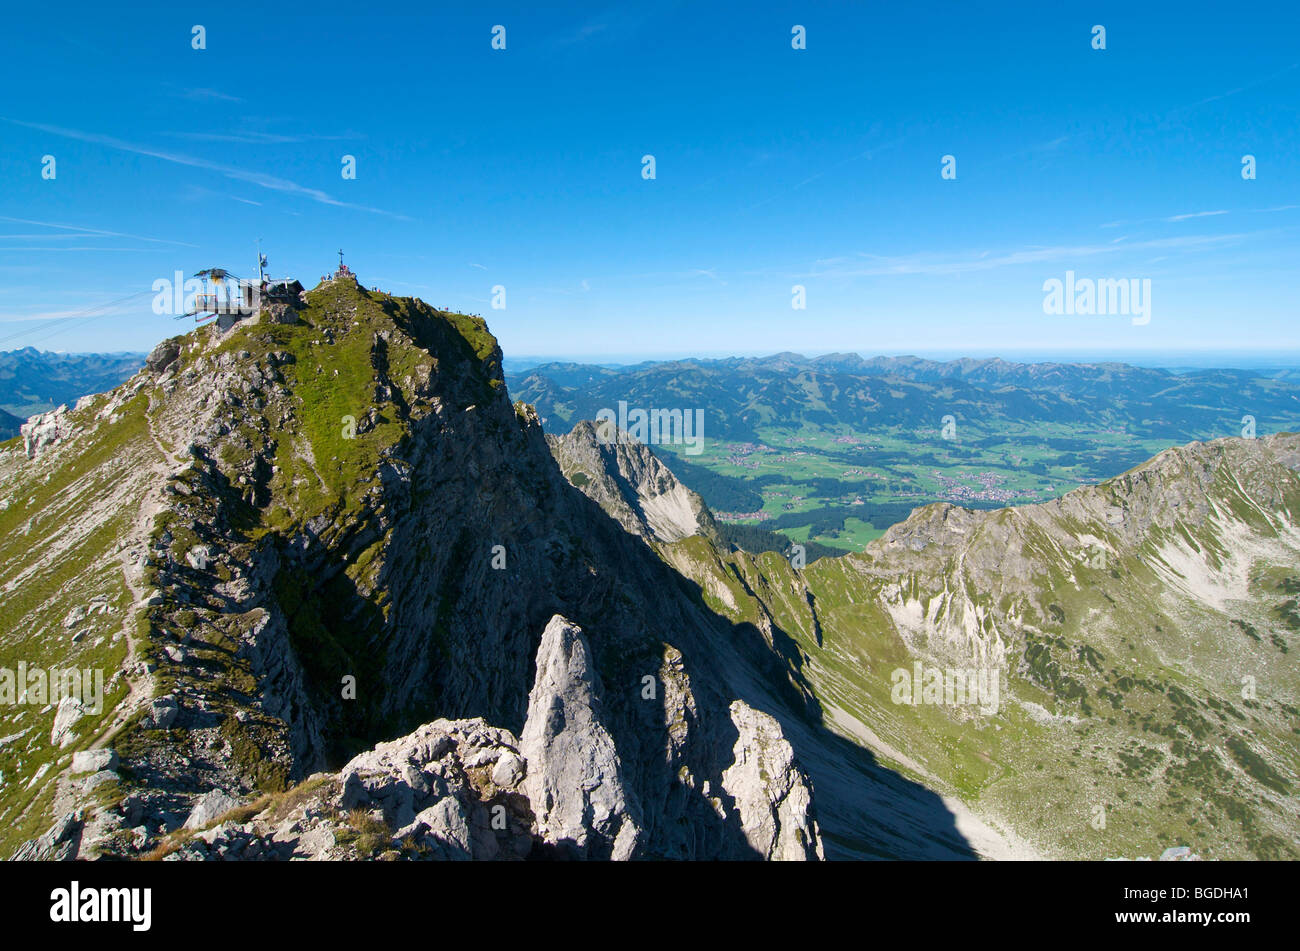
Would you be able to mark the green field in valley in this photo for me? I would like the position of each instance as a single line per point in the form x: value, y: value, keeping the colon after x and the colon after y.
x: 842, y: 489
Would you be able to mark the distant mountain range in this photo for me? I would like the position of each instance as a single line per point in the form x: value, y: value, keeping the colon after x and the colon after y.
x: 832, y: 450
x: 787, y: 390
x: 35, y: 381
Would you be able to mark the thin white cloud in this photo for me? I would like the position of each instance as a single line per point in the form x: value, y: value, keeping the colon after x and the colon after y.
x: 209, y: 95
x: 47, y: 237
x: 584, y: 32
x: 615, y: 25
x: 1233, y: 92
x: 874, y: 265
x: 65, y: 314
x: 868, y: 154
x: 257, y: 138
x: 709, y: 272
x: 1167, y: 218
x: 93, y: 231
x: 262, y: 180
x: 1050, y: 146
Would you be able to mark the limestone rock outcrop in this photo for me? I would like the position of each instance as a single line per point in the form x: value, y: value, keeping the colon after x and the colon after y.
x: 451, y: 785
x: 632, y: 485
x: 771, y: 793
x: 44, y: 430
x: 575, y: 777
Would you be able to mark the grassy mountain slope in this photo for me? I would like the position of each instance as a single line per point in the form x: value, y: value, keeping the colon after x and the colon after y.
x: 1142, y: 628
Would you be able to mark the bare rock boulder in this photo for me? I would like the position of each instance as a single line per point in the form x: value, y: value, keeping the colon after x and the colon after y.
x: 770, y: 791
x: 581, y: 804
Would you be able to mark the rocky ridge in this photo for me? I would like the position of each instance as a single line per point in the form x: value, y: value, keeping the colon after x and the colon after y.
x: 463, y: 789
x: 1134, y: 634
x: 629, y: 482
x: 329, y: 532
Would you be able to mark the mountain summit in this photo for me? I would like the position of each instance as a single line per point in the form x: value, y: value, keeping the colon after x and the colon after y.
x: 319, y: 530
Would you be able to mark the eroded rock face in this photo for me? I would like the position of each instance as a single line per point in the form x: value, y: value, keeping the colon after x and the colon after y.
x: 161, y: 714
x: 627, y: 480
x: 93, y: 761
x: 162, y: 356
x: 280, y: 314
x: 771, y: 792
x: 70, y: 710
x: 450, y: 786
x: 44, y: 430
x: 59, y: 844
x: 575, y: 777
x: 209, y: 807
x: 456, y: 790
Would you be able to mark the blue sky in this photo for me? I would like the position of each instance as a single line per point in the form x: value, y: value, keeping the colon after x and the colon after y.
x: 775, y: 167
